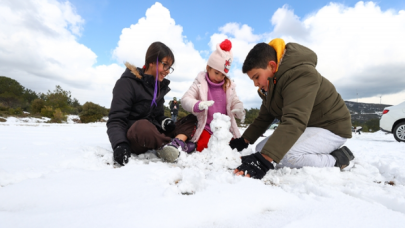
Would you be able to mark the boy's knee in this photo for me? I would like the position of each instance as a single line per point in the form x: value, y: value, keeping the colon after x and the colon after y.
x: 291, y: 159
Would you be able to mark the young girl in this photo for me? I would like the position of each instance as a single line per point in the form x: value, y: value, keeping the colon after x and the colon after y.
x: 136, y: 120
x: 212, y: 91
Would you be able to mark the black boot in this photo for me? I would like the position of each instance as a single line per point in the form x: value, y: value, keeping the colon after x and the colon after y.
x: 343, y: 157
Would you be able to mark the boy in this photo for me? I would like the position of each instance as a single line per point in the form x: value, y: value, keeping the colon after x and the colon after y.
x: 315, y: 121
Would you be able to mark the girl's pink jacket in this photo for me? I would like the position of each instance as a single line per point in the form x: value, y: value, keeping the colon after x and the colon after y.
x: 198, y: 92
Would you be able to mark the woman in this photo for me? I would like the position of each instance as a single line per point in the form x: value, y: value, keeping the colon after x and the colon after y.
x: 136, y: 121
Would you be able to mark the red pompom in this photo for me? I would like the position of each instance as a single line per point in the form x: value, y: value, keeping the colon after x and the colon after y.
x: 226, y: 45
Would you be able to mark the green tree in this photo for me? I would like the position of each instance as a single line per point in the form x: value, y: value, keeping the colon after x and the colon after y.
x: 29, y: 95
x: 59, y: 98
x: 42, y: 96
x: 251, y: 115
x: 76, y: 107
x: 11, y: 86
x: 10, y: 92
x: 14, y: 96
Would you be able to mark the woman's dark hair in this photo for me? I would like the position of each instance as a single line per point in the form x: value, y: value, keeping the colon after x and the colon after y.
x: 157, y: 50
x: 259, y: 57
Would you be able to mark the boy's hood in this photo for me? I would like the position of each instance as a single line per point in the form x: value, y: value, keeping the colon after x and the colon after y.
x: 295, y: 55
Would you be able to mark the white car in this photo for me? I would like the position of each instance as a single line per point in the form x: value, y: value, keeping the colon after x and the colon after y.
x: 393, y: 121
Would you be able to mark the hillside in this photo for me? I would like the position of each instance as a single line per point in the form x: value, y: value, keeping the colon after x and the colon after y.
x: 363, y: 112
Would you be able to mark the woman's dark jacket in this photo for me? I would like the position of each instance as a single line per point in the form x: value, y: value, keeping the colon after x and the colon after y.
x: 132, y: 98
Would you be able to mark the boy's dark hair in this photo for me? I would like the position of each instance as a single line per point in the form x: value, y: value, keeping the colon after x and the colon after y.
x: 259, y: 57
x: 157, y: 50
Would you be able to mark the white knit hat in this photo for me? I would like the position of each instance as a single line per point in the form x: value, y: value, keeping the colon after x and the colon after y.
x: 221, y: 59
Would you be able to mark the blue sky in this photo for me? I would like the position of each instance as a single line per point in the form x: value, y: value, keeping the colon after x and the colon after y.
x: 82, y: 45
x: 199, y: 19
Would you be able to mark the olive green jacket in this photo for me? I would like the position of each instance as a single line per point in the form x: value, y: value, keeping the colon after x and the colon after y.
x: 300, y: 97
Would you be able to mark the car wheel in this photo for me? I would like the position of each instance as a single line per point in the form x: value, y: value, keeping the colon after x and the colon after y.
x: 275, y: 128
x: 399, y: 132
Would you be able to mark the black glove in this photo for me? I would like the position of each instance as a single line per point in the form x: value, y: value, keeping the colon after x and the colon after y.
x: 168, y: 125
x: 239, y: 144
x: 255, y: 165
x: 121, y: 153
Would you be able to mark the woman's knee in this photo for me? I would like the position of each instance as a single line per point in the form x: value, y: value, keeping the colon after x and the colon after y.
x: 140, y: 129
x: 142, y: 126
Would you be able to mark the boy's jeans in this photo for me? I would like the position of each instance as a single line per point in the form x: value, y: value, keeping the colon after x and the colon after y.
x: 312, y: 148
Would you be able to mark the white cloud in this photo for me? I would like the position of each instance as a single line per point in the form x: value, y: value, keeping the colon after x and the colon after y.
x: 39, y: 49
x: 159, y: 26
x: 287, y: 24
x: 359, y: 48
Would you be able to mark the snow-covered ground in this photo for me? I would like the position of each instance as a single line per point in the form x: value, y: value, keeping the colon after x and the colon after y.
x: 62, y: 175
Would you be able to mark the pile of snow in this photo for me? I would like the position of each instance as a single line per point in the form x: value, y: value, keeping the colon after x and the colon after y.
x: 218, y: 158
x: 70, y: 119
x: 14, y: 120
x: 63, y: 175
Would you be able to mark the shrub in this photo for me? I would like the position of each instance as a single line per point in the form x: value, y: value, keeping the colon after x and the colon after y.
x: 37, y: 105
x: 2, y: 120
x: 3, y: 107
x: 11, y: 111
x: 18, y: 111
x: 90, y: 118
x: 47, y: 112
x: 373, y: 125
x: 75, y: 111
x: 92, y: 112
x: 58, y: 116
